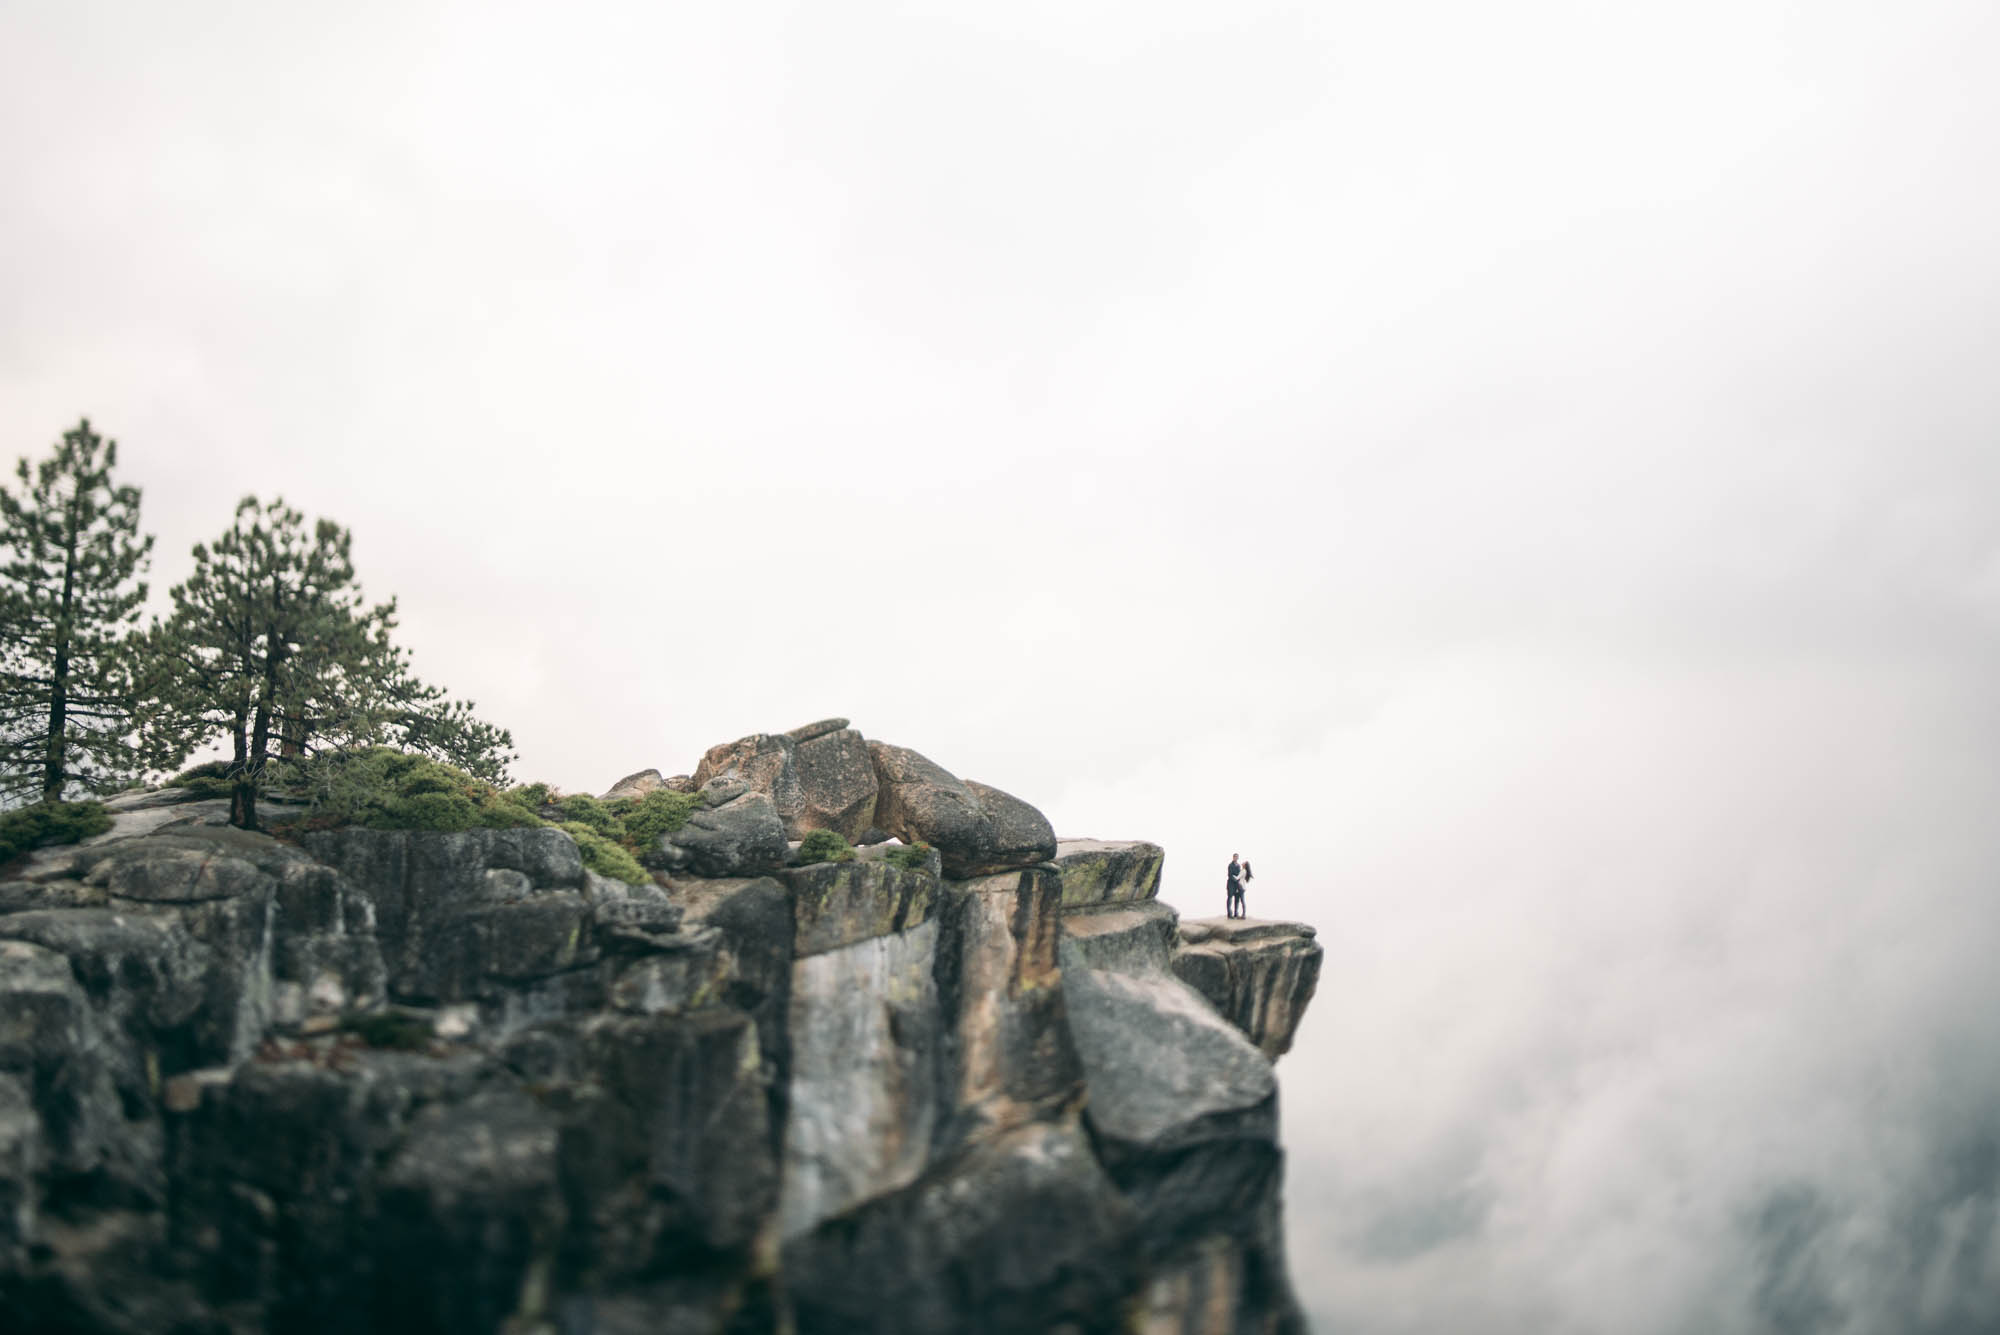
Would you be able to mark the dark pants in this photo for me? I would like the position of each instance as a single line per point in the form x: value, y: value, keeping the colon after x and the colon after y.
x: 1232, y: 901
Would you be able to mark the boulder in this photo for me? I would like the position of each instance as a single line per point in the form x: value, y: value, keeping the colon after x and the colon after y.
x: 819, y: 777
x: 976, y: 829
x: 1259, y: 975
x: 764, y: 761
x: 1095, y: 871
x: 837, y: 784
x: 635, y: 785
x: 742, y: 836
x: 1163, y: 1067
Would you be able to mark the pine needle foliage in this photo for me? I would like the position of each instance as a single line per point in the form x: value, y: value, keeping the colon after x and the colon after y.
x: 272, y: 650
x: 69, y: 598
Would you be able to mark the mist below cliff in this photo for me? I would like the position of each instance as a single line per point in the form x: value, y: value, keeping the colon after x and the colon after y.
x: 1658, y: 996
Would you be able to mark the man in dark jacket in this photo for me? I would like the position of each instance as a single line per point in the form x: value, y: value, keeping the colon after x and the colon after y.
x: 1232, y: 895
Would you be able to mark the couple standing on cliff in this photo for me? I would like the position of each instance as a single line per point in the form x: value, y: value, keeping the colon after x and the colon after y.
x: 1232, y: 902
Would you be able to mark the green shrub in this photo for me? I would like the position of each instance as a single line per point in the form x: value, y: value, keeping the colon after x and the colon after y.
x: 529, y: 795
x: 910, y: 857
x: 603, y: 856
x: 209, y: 780
x: 50, y: 823
x: 389, y: 1029
x: 660, y: 812
x: 586, y: 810
x: 428, y: 810
x: 825, y: 846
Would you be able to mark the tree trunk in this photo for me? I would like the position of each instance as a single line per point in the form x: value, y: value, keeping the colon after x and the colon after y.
x: 53, y: 775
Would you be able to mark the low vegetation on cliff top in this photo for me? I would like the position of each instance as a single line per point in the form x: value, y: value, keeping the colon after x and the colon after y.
x: 825, y: 846
x: 385, y: 789
x: 49, y: 823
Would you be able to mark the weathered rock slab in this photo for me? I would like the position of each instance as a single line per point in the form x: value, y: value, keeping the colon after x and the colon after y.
x: 1259, y: 975
x: 1133, y: 937
x: 1097, y: 871
x: 836, y: 904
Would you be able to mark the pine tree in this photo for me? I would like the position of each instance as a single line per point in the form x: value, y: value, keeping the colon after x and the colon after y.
x: 271, y: 648
x: 69, y: 595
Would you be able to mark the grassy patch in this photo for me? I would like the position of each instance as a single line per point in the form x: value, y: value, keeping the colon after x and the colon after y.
x: 603, y: 856
x: 911, y: 857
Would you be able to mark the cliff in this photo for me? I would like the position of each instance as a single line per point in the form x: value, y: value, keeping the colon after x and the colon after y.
x: 398, y: 1081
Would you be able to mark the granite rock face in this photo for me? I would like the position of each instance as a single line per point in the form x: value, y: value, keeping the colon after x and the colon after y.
x: 1260, y: 975
x: 384, y: 1081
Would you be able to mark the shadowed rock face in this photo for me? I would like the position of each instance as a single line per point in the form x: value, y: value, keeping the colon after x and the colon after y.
x: 392, y: 1081
x: 1260, y: 975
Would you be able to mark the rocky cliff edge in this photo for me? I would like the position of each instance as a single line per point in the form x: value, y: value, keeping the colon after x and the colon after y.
x: 382, y: 1081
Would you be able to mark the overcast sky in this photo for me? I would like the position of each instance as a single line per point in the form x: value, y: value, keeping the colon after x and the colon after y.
x: 1525, y: 474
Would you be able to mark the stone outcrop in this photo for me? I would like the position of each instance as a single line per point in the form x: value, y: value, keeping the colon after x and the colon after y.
x: 1183, y: 1107
x: 1259, y: 975
x: 400, y: 1081
x: 819, y: 777
x: 976, y: 829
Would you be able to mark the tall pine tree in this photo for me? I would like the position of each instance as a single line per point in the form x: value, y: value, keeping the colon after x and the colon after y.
x: 69, y: 594
x: 272, y: 649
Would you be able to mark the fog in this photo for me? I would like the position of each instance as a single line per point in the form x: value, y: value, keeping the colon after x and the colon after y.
x: 1525, y: 475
